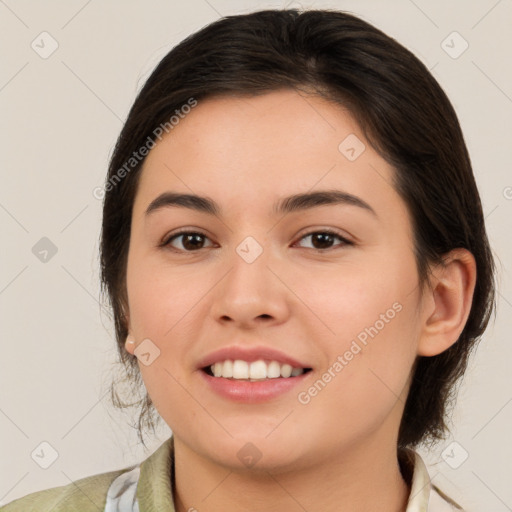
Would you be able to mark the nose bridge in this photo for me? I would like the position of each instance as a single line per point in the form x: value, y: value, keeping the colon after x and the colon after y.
x: 250, y: 290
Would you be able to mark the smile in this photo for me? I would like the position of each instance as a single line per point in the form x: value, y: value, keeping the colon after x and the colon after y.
x: 253, y: 371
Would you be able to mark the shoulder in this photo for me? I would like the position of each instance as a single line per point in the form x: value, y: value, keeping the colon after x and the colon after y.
x: 84, y: 495
x: 149, y: 480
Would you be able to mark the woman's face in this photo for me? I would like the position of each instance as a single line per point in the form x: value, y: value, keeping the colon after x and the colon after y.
x: 263, y: 281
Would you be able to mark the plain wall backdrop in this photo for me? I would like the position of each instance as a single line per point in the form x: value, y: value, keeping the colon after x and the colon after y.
x: 70, y: 72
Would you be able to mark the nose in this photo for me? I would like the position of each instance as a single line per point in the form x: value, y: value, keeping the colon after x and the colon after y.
x: 252, y: 294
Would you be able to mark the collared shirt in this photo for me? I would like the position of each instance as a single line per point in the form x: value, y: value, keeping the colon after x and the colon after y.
x: 146, y: 487
x: 424, y: 495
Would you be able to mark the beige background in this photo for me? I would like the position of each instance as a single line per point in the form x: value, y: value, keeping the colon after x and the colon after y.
x: 60, y: 118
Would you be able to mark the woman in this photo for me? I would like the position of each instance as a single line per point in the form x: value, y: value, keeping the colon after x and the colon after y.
x: 295, y: 253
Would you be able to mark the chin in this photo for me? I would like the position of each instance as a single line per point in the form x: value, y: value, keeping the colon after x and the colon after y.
x: 257, y: 452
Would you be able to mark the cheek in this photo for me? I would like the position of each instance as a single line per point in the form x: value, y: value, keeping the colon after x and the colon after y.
x: 164, y: 303
x: 161, y: 298
x: 171, y: 398
x: 370, y: 344
x: 364, y: 385
x: 360, y: 295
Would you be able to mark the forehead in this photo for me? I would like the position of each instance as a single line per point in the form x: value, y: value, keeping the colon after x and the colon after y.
x: 243, y: 150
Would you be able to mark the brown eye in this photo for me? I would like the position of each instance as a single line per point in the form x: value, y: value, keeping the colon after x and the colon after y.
x: 191, y: 241
x: 324, y: 239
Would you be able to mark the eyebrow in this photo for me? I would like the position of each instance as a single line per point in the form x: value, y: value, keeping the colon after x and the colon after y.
x: 290, y: 204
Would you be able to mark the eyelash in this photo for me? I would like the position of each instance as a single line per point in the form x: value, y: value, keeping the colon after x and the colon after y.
x: 168, y: 240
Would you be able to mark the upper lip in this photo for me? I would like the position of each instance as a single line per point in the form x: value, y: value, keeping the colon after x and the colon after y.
x: 249, y: 354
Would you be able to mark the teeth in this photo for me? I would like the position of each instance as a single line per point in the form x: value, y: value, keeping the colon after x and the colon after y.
x: 256, y: 370
x: 227, y: 369
x: 217, y: 369
x: 273, y: 370
x: 240, y: 370
x: 286, y: 370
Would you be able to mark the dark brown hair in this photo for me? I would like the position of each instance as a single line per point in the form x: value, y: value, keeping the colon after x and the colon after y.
x: 404, y: 114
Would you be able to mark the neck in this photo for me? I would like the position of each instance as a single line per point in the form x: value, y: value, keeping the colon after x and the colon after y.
x: 364, y: 478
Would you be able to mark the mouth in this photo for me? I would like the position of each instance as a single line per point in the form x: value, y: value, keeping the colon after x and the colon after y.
x: 252, y: 374
x: 253, y: 371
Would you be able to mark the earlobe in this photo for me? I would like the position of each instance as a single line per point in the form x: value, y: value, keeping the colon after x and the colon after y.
x: 129, y: 344
x: 452, y: 289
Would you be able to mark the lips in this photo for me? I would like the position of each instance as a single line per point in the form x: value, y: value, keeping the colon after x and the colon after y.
x: 228, y: 372
x: 250, y: 354
x: 244, y: 391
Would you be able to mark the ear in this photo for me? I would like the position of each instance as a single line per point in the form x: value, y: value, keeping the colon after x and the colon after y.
x: 129, y: 343
x: 447, y: 302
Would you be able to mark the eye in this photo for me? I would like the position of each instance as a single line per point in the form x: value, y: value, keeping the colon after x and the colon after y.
x: 191, y: 241
x: 323, y: 239
x: 194, y: 241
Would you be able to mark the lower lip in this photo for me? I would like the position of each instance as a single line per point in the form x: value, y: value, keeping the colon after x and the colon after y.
x: 252, y: 392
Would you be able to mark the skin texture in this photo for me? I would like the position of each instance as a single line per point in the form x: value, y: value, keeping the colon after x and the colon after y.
x: 338, y: 451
